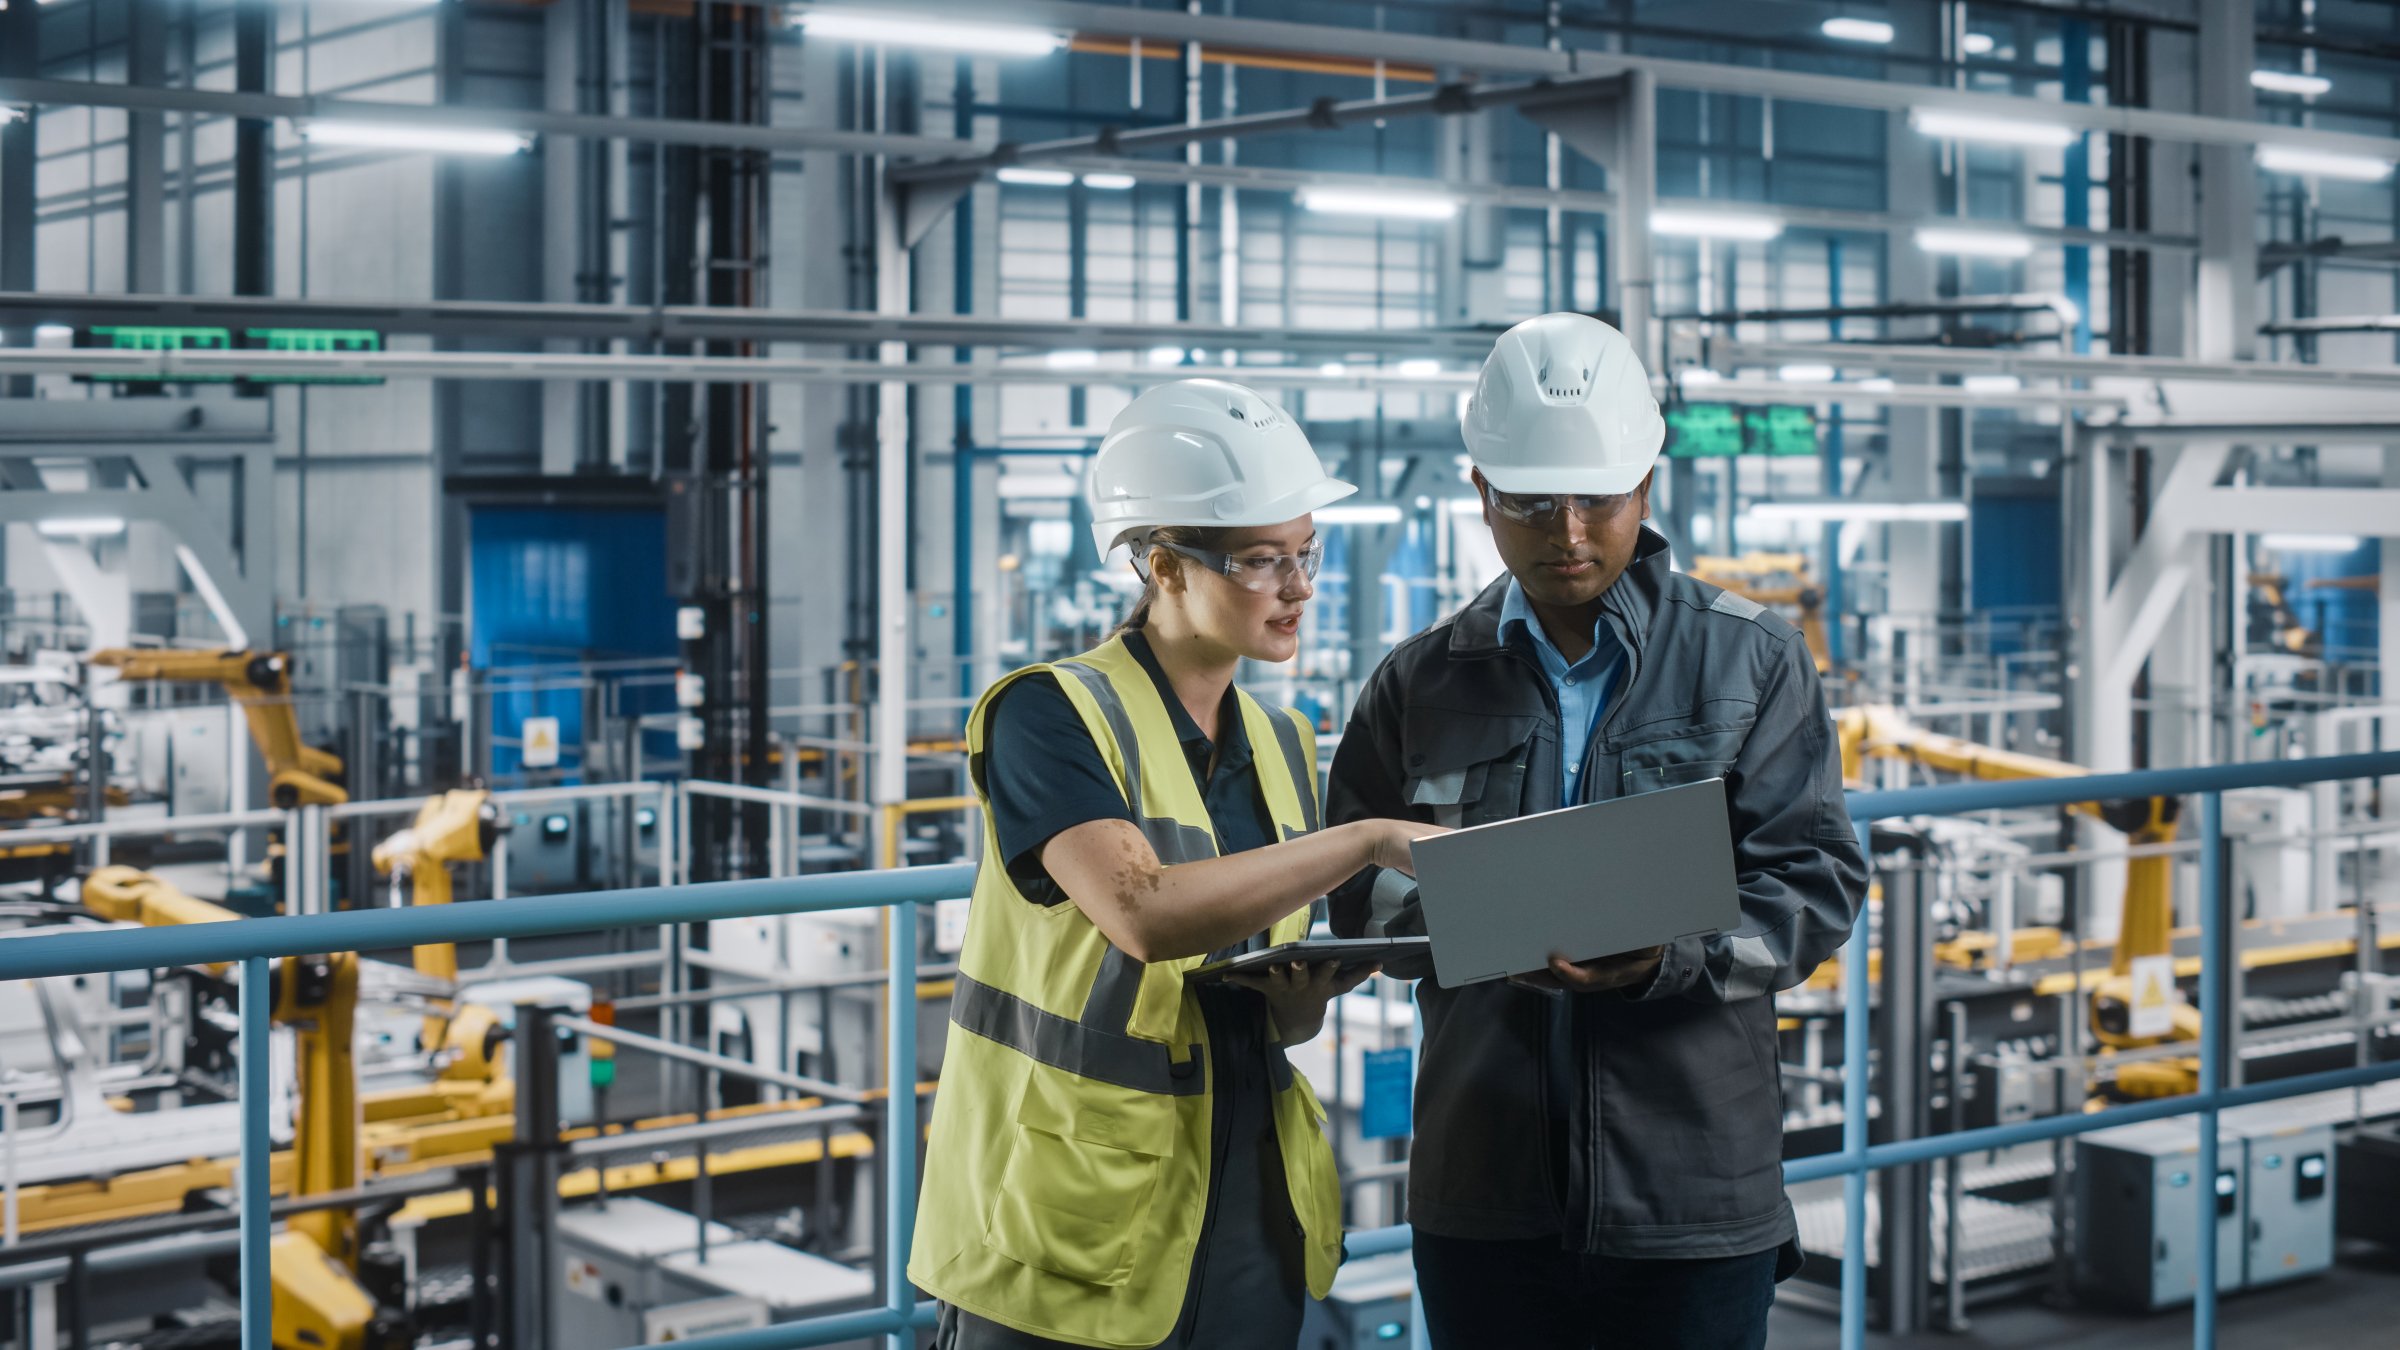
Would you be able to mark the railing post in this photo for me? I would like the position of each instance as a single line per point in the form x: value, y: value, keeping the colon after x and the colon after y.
x: 900, y: 1129
x: 1856, y: 1056
x: 529, y: 1180
x: 2214, y: 954
x: 257, y: 1158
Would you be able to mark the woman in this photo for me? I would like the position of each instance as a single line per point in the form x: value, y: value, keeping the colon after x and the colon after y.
x: 1117, y: 1159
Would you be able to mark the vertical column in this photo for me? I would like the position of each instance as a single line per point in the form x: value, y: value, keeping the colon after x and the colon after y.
x: 529, y: 1195
x: 892, y: 296
x: 258, y: 1150
x: 253, y: 152
x: 1634, y: 177
x: 563, y: 211
x: 2216, y: 953
x: 900, y: 1123
x: 18, y: 53
x: 2225, y: 305
x: 2387, y: 627
x: 1913, y: 586
x: 146, y: 34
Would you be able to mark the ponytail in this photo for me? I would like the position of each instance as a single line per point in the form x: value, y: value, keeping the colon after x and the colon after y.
x: 1190, y: 536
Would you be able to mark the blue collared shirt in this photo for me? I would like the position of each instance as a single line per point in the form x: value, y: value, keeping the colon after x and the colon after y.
x: 1582, y: 688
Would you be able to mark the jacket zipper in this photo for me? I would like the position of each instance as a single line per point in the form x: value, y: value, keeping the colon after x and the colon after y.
x: 1591, y: 1075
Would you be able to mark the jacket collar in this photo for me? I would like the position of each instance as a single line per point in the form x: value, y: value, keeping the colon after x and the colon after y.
x: 1629, y: 605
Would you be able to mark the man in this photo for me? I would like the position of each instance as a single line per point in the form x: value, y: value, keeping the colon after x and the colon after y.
x: 1598, y: 1145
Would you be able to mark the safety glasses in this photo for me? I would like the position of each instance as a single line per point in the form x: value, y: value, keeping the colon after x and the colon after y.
x: 1264, y: 574
x: 1541, y: 511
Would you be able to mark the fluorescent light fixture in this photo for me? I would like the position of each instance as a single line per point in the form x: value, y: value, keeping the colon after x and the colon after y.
x: 993, y: 39
x: 436, y: 140
x: 1357, y: 202
x: 1805, y: 374
x: 1417, y: 369
x: 1977, y: 44
x: 1879, y: 385
x: 2310, y: 543
x: 1697, y: 375
x: 2290, y: 82
x: 1358, y: 515
x: 53, y: 334
x: 1974, y: 243
x: 1166, y: 356
x: 1991, y: 384
x: 1888, y: 512
x: 1464, y: 506
x: 1024, y: 177
x: 1333, y: 369
x: 1857, y: 30
x: 1716, y: 225
x: 1039, y: 486
x: 80, y: 527
x: 2295, y: 160
x: 1108, y: 182
x: 1072, y: 360
x: 1960, y: 126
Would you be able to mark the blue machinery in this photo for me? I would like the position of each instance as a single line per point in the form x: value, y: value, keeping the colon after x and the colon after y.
x: 254, y: 942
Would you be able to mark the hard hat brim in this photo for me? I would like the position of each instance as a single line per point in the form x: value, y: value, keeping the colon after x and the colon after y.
x: 1323, y: 492
x: 1595, y: 480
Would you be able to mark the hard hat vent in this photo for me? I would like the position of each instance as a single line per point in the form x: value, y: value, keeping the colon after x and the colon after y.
x: 1260, y: 417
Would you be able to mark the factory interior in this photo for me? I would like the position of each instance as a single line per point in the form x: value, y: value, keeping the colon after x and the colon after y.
x: 525, y: 473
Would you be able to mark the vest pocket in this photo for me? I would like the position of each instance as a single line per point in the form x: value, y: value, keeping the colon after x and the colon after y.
x: 1083, y: 1166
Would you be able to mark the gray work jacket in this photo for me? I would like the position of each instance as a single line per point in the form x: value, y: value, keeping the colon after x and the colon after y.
x: 1640, y: 1123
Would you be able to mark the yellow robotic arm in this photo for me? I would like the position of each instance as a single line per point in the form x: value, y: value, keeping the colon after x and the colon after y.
x: 261, y: 682
x: 2146, y: 927
x: 1780, y: 580
x: 454, y: 827
x: 318, y: 1303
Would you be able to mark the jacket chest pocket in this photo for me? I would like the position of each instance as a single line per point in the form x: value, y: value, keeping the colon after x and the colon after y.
x: 1689, y: 756
x: 1466, y: 768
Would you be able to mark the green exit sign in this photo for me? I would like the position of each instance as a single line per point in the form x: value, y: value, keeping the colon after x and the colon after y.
x: 1723, y: 431
x: 1784, y: 429
x: 168, y: 338
x: 314, y: 340
x: 1704, y: 431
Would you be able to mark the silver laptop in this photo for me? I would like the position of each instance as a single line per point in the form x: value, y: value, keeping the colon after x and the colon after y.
x: 1588, y: 881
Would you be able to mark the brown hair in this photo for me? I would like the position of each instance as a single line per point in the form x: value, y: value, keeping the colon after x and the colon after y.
x: 1190, y: 536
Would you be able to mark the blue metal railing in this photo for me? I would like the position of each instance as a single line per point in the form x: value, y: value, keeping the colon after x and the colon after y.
x: 252, y: 942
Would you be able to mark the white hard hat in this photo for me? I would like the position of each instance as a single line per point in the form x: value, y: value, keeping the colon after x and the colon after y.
x: 1563, y: 405
x: 1205, y: 453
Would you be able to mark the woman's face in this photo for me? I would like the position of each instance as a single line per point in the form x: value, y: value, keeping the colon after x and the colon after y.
x: 1255, y: 611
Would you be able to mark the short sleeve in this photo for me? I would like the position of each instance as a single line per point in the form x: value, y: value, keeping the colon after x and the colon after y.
x: 1042, y: 775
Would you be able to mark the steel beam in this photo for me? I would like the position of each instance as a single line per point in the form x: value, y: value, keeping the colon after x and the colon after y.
x: 1449, y: 100
x: 743, y: 370
x: 1503, y: 58
x: 646, y: 324
x: 530, y: 121
x: 2371, y: 512
x: 1897, y: 360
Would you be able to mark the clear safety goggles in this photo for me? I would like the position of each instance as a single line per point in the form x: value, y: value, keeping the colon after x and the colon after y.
x: 1541, y: 510
x: 1263, y: 573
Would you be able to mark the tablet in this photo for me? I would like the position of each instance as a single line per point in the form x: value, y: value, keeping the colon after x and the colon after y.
x: 1350, y: 952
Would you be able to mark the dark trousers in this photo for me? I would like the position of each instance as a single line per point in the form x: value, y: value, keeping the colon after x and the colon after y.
x: 1532, y: 1294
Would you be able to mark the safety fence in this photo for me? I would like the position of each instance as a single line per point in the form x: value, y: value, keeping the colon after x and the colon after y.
x: 253, y: 943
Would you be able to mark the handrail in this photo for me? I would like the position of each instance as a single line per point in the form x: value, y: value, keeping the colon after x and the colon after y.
x: 1952, y: 799
x: 91, y: 952
x: 252, y: 941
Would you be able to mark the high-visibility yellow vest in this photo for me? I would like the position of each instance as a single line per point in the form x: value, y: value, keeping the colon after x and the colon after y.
x: 1067, y: 1171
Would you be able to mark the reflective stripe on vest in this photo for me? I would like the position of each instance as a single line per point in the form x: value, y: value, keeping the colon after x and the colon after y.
x: 1095, y: 1044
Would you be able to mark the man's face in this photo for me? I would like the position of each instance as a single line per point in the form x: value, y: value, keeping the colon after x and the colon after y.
x: 1570, y: 556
